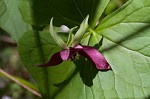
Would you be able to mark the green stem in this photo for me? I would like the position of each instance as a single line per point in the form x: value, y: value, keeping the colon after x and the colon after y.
x: 6, y: 75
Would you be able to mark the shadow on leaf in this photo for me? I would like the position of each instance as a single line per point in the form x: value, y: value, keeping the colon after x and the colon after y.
x: 127, y: 37
x: 87, y: 71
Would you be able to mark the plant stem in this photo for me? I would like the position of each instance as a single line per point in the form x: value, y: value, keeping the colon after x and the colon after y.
x: 5, y: 74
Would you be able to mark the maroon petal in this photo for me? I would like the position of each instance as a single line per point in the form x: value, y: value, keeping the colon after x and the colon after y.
x: 95, y: 57
x: 57, y: 58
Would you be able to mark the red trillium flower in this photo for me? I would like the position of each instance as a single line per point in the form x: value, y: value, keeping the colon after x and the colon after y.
x: 72, y: 49
x: 93, y: 55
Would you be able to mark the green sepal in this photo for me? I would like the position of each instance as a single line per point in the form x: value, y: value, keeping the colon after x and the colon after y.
x: 71, y: 36
x: 57, y: 39
x: 80, y: 33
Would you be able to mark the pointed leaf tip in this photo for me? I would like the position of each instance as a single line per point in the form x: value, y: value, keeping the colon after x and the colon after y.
x: 80, y: 33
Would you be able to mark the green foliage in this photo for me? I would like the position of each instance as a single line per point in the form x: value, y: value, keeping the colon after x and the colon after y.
x: 123, y: 37
x: 80, y: 33
x: 57, y: 39
x: 11, y: 19
x: 67, y: 12
x: 42, y: 46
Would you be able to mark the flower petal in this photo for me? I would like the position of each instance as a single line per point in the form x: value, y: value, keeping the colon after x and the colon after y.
x: 65, y: 54
x: 95, y: 57
x: 57, y: 58
x: 78, y: 47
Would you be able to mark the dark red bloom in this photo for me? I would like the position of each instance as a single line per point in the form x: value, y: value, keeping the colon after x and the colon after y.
x: 93, y: 55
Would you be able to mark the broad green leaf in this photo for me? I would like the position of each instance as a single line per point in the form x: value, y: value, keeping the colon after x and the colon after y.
x: 38, y: 49
x: 97, y: 10
x: 11, y: 20
x: 134, y: 11
x: 113, y: 5
x: 67, y: 12
x: 126, y: 46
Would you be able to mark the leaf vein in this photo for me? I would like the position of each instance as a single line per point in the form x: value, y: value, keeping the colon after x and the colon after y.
x: 78, y: 9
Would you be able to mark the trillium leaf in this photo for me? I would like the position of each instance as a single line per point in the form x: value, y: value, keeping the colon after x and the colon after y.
x: 132, y: 12
x: 97, y: 10
x: 11, y: 20
x: 126, y: 46
x: 41, y: 46
x: 68, y: 12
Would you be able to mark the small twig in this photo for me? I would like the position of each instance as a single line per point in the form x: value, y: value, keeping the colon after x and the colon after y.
x: 20, y: 83
x: 8, y: 40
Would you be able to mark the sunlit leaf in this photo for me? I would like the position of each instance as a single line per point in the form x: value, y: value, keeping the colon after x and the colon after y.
x: 11, y: 20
